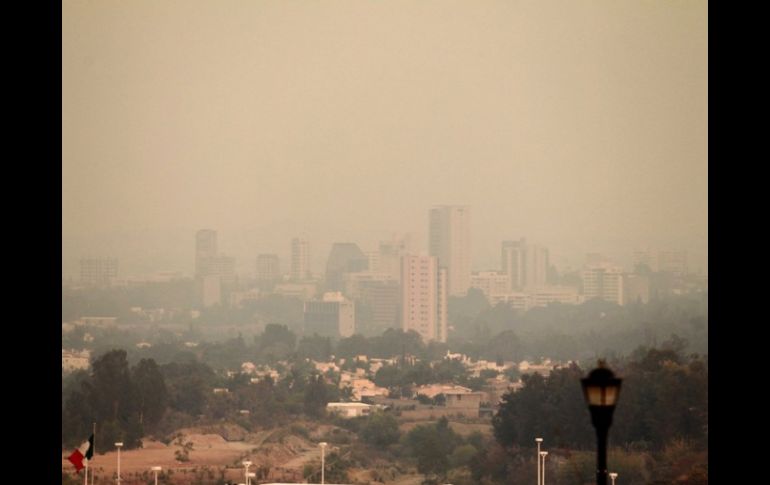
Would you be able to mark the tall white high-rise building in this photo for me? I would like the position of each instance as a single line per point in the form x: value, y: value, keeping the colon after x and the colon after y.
x: 605, y: 281
x: 450, y: 241
x: 300, y: 258
x: 424, y: 297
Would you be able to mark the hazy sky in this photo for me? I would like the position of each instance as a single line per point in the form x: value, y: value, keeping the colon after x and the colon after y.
x: 581, y: 125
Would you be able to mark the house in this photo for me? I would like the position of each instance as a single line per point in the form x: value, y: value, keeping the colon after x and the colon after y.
x: 465, y: 403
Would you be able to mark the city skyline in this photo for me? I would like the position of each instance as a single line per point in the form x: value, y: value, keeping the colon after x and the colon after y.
x: 580, y: 126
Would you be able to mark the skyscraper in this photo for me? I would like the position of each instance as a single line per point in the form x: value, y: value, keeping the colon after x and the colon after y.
x: 208, y: 261
x: 525, y: 264
x: 300, y: 259
x: 512, y: 260
x: 450, y: 241
x: 424, y: 297
x: 343, y: 258
x: 205, y: 250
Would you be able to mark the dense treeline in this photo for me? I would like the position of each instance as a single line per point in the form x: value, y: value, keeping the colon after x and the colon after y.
x: 660, y: 425
x: 559, y: 332
x: 129, y: 402
x: 664, y: 397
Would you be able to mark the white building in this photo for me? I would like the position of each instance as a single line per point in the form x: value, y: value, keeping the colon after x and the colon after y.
x: 450, y: 242
x: 349, y: 409
x: 492, y: 283
x: 605, y: 281
x: 424, y: 297
x: 72, y: 360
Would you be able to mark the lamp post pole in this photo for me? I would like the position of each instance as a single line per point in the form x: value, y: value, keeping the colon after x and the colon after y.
x: 118, y: 445
x: 246, y: 465
x: 155, y: 470
x: 543, y: 454
x: 601, y: 389
x: 538, y: 440
x: 613, y: 476
x: 322, y: 444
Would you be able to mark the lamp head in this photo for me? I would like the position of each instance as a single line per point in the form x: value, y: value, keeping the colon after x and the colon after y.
x: 119, y: 444
x: 601, y: 387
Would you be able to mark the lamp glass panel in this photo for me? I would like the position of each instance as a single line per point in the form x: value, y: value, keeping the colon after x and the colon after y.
x: 594, y: 395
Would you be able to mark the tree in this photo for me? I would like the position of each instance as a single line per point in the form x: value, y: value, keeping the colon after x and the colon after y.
x: 380, y: 429
x: 316, y: 397
x: 151, y: 392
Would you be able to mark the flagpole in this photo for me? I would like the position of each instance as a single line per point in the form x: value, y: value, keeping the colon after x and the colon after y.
x: 94, y: 453
x: 85, y: 477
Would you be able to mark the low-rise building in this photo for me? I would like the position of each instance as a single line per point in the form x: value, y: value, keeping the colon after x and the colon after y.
x: 349, y: 409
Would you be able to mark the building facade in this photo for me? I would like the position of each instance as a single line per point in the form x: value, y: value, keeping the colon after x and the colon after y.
x: 450, y: 242
x: 332, y: 316
x: 98, y: 271
x: 603, y: 281
x: 424, y: 297
x: 300, y: 259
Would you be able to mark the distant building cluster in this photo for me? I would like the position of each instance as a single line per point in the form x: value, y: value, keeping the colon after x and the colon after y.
x: 395, y: 285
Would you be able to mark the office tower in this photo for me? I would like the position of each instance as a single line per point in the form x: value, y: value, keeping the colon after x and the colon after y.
x: 300, y: 259
x: 343, y: 258
x: 450, y: 241
x: 424, y: 297
x: 493, y: 284
x: 98, y: 271
x: 382, y: 298
x: 268, y: 268
x: 536, y: 266
x: 605, y: 281
x: 512, y: 262
x: 636, y: 288
x: 525, y: 264
x: 332, y: 316
x: 205, y: 251
x: 390, y: 253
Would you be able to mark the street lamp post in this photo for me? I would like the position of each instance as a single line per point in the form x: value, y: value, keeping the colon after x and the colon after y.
x: 246, y: 465
x: 539, y: 440
x: 322, y: 444
x: 155, y: 470
x: 601, y: 389
x: 119, y: 445
x: 613, y: 476
x: 543, y: 454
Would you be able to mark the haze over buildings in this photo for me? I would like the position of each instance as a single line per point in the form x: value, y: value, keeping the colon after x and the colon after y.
x: 582, y: 125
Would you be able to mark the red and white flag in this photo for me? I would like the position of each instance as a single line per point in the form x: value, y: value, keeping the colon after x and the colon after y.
x: 80, y: 457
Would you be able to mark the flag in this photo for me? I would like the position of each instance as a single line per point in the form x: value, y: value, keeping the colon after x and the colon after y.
x: 84, y: 453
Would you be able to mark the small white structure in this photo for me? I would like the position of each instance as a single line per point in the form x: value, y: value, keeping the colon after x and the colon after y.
x: 349, y: 409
